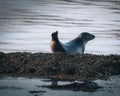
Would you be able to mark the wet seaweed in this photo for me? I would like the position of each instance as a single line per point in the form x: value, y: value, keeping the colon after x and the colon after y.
x: 60, y: 65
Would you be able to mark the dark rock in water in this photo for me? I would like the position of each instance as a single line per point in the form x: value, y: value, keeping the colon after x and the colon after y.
x: 32, y: 92
x: 76, y: 86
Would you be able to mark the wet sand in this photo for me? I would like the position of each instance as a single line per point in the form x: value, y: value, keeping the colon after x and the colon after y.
x: 60, y: 66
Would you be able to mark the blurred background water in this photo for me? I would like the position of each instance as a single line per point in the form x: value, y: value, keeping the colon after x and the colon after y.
x: 26, y: 25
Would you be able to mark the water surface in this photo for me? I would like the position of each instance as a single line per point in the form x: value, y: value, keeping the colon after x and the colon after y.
x: 10, y: 86
x: 26, y: 25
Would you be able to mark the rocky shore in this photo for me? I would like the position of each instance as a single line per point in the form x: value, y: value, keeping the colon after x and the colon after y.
x: 60, y: 65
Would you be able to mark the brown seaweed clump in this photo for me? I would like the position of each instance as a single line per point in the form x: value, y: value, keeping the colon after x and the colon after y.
x: 60, y: 65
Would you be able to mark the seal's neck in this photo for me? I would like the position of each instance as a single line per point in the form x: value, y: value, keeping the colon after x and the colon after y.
x: 55, y: 39
x: 83, y: 44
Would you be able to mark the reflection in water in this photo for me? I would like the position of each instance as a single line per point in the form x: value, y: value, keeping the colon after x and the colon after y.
x: 10, y: 86
x: 26, y: 25
x: 75, y: 86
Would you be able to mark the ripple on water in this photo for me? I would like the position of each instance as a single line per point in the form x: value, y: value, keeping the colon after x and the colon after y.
x: 38, y: 19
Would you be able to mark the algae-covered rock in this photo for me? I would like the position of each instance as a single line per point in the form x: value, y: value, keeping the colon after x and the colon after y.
x: 60, y: 65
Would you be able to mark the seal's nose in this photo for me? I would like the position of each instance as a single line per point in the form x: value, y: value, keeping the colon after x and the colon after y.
x: 93, y: 37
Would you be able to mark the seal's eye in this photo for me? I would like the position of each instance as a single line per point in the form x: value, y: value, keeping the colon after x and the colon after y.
x: 85, y: 35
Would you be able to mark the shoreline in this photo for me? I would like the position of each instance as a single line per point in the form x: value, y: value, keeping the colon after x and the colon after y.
x: 60, y: 66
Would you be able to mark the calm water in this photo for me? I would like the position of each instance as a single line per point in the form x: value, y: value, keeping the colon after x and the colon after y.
x: 26, y: 25
x: 10, y: 86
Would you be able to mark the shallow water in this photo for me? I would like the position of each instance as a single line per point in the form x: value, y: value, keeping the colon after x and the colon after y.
x: 26, y: 25
x: 10, y: 86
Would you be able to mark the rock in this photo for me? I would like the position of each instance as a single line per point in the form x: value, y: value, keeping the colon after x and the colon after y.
x: 76, y: 86
x: 60, y: 65
x: 32, y: 92
x: 32, y: 70
x: 2, y: 55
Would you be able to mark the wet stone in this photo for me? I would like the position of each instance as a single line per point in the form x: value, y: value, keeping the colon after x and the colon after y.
x: 60, y: 65
x: 76, y: 86
x: 34, y: 91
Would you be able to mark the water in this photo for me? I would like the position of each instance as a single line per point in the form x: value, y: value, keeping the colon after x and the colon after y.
x: 20, y: 86
x: 26, y: 25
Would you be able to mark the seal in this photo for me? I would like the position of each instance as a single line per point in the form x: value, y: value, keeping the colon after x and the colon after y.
x: 77, y: 45
x: 55, y: 44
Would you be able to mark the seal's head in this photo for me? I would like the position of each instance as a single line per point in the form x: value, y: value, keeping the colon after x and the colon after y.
x: 55, y: 36
x: 86, y: 36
